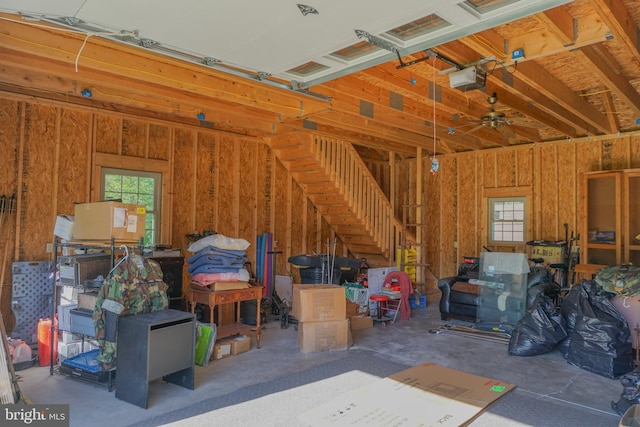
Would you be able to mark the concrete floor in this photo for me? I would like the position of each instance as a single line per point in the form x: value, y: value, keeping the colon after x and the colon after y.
x: 547, y: 377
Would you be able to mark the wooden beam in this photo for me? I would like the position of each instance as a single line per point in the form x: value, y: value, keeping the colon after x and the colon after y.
x: 615, y: 81
x: 615, y: 14
x: 142, y: 67
x: 610, y: 109
x: 560, y: 22
x: 28, y: 74
x: 534, y: 75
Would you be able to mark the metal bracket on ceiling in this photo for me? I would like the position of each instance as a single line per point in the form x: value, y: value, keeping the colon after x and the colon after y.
x: 71, y: 20
x: 262, y: 75
x: 211, y: 61
x: 148, y: 43
x: 377, y: 41
x: 383, y: 44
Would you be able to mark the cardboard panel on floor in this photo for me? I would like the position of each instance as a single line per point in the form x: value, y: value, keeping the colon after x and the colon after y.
x: 424, y: 395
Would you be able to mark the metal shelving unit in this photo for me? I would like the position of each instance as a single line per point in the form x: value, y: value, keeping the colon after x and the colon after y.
x: 112, y: 246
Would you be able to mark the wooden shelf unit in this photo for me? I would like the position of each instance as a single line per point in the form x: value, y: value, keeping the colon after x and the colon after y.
x: 611, y: 217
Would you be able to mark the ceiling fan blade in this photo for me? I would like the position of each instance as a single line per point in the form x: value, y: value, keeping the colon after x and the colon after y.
x: 526, y: 123
x: 504, y: 130
x: 473, y: 129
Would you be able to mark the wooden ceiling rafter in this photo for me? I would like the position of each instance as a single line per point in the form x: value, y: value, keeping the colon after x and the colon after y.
x: 147, y: 67
x: 414, y: 114
x: 119, y: 92
x: 615, y: 81
x: 609, y: 108
x: 616, y: 16
x: 558, y: 101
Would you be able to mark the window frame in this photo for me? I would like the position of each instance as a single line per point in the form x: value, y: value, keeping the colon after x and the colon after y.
x: 491, y: 221
x: 107, y: 160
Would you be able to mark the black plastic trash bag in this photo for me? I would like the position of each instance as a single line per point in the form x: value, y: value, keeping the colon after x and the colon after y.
x: 630, y: 393
x: 569, y: 313
x: 539, y: 331
x: 600, y: 341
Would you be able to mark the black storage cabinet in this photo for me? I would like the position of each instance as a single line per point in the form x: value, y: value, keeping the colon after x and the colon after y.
x: 154, y: 345
x: 172, y: 275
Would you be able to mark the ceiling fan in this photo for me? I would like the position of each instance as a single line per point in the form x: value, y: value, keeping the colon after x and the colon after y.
x: 498, y: 120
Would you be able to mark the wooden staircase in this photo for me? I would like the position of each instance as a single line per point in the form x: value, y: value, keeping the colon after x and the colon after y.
x: 338, y: 183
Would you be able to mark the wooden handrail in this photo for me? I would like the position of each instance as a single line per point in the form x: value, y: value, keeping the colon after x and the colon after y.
x: 354, y: 180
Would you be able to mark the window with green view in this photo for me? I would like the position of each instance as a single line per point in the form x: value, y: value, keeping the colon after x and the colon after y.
x: 138, y: 188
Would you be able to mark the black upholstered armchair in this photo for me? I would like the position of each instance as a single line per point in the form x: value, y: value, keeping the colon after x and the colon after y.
x: 459, y: 299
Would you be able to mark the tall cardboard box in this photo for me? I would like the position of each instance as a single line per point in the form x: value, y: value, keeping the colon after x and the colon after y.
x: 104, y: 220
x: 319, y: 302
x: 323, y: 336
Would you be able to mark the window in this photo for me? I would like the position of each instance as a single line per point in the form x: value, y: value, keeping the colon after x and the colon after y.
x: 139, y: 188
x: 507, y: 220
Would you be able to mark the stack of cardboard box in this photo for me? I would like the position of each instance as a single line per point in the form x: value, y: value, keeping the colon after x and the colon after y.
x: 231, y: 347
x: 321, y: 311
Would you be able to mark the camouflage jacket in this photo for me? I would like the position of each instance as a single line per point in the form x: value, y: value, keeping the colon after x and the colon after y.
x: 134, y: 286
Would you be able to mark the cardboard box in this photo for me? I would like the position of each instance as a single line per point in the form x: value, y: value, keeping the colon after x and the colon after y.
x: 323, y: 336
x: 221, y: 350
x: 425, y: 395
x: 319, y: 302
x: 240, y: 344
x: 354, y: 309
x: 87, y: 300
x: 63, y: 227
x: 357, y: 323
x: 104, y: 220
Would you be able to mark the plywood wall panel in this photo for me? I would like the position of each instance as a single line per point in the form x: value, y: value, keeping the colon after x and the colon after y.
x: 207, y: 191
x: 434, y: 213
x: 262, y: 165
x: 567, y: 182
x: 449, y: 203
x: 10, y: 116
x: 312, y: 241
x: 184, y: 177
x: 547, y: 229
x: 489, y: 169
x: 247, y: 176
x: 36, y: 212
x: 159, y: 142
x: 108, y: 131
x: 281, y: 200
x: 298, y: 220
x: 634, y: 153
x: 524, y: 167
x: 134, y: 138
x: 506, y: 172
x: 226, y: 223
x: 73, y: 159
x: 467, y: 212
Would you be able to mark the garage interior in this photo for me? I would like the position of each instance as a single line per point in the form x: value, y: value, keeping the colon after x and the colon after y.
x: 363, y: 130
